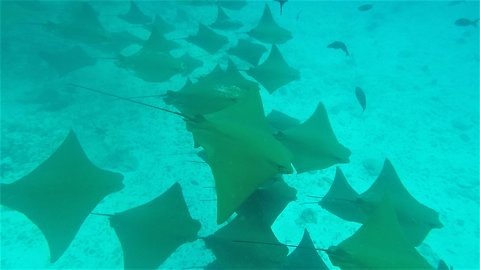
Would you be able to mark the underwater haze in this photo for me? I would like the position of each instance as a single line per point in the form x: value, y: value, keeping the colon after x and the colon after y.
x: 218, y: 134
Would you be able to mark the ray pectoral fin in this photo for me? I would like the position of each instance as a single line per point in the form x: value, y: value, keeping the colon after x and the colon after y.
x: 266, y: 203
x: 135, y: 15
x: 305, y: 256
x: 274, y: 72
x: 415, y: 218
x: 235, y: 248
x: 208, y: 39
x: 342, y: 200
x: 268, y: 31
x: 379, y: 244
x: 60, y: 193
x: 313, y: 144
x: 151, y: 232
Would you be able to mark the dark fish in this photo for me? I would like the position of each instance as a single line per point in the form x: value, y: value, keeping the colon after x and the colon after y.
x: 339, y: 45
x: 466, y: 22
x: 281, y: 2
x: 365, y: 7
x: 298, y: 16
x: 361, y: 97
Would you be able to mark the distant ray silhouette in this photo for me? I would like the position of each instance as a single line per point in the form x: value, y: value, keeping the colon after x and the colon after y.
x: 208, y: 39
x: 161, y: 25
x: 305, y: 256
x: 152, y: 66
x: 190, y: 64
x: 274, y: 72
x: 60, y: 193
x: 66, y: 61
x: 118, y: 41
x: 81, y: 23
x: 135, y: 15
x: 268, y: 30
x: 223, y: 22
x: 248, y: 51
x: 158, y: 43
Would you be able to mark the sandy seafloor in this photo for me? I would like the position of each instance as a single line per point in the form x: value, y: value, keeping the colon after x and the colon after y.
x: 420, y: 73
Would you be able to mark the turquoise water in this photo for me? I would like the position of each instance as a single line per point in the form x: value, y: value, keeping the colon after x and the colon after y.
x: 418, y: 69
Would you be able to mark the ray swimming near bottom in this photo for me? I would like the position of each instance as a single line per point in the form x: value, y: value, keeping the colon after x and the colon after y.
x: 135, y: 15
x: 379, y: 244
x: 212, y: 92
x: 190, y: 64
x: 248, y: 51
x: 60, y: 193
x: 280, y: 121
x: 274, y: 72
x: 305, y: 256
x: 208, y: 39
x: 66, y: 61
x: 268, y: 202
x: 268, y: 31
x: 152, y: 66
x: 416, y: 219
x: 158, y: 43
x: 229, y: 245
x: 233, y: 139
x: 223, y: 22
x: 80, y: 24
x: 313, y: 144
x: 161, y: 25
x: 150, y: 233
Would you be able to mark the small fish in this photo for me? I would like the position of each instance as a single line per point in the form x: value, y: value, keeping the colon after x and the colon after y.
x: 281, y: 2
x: 339, y: 45
x: 466, y: 22
x: 365, y: 7
x: 361, y: 97
x: 298, y: 16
